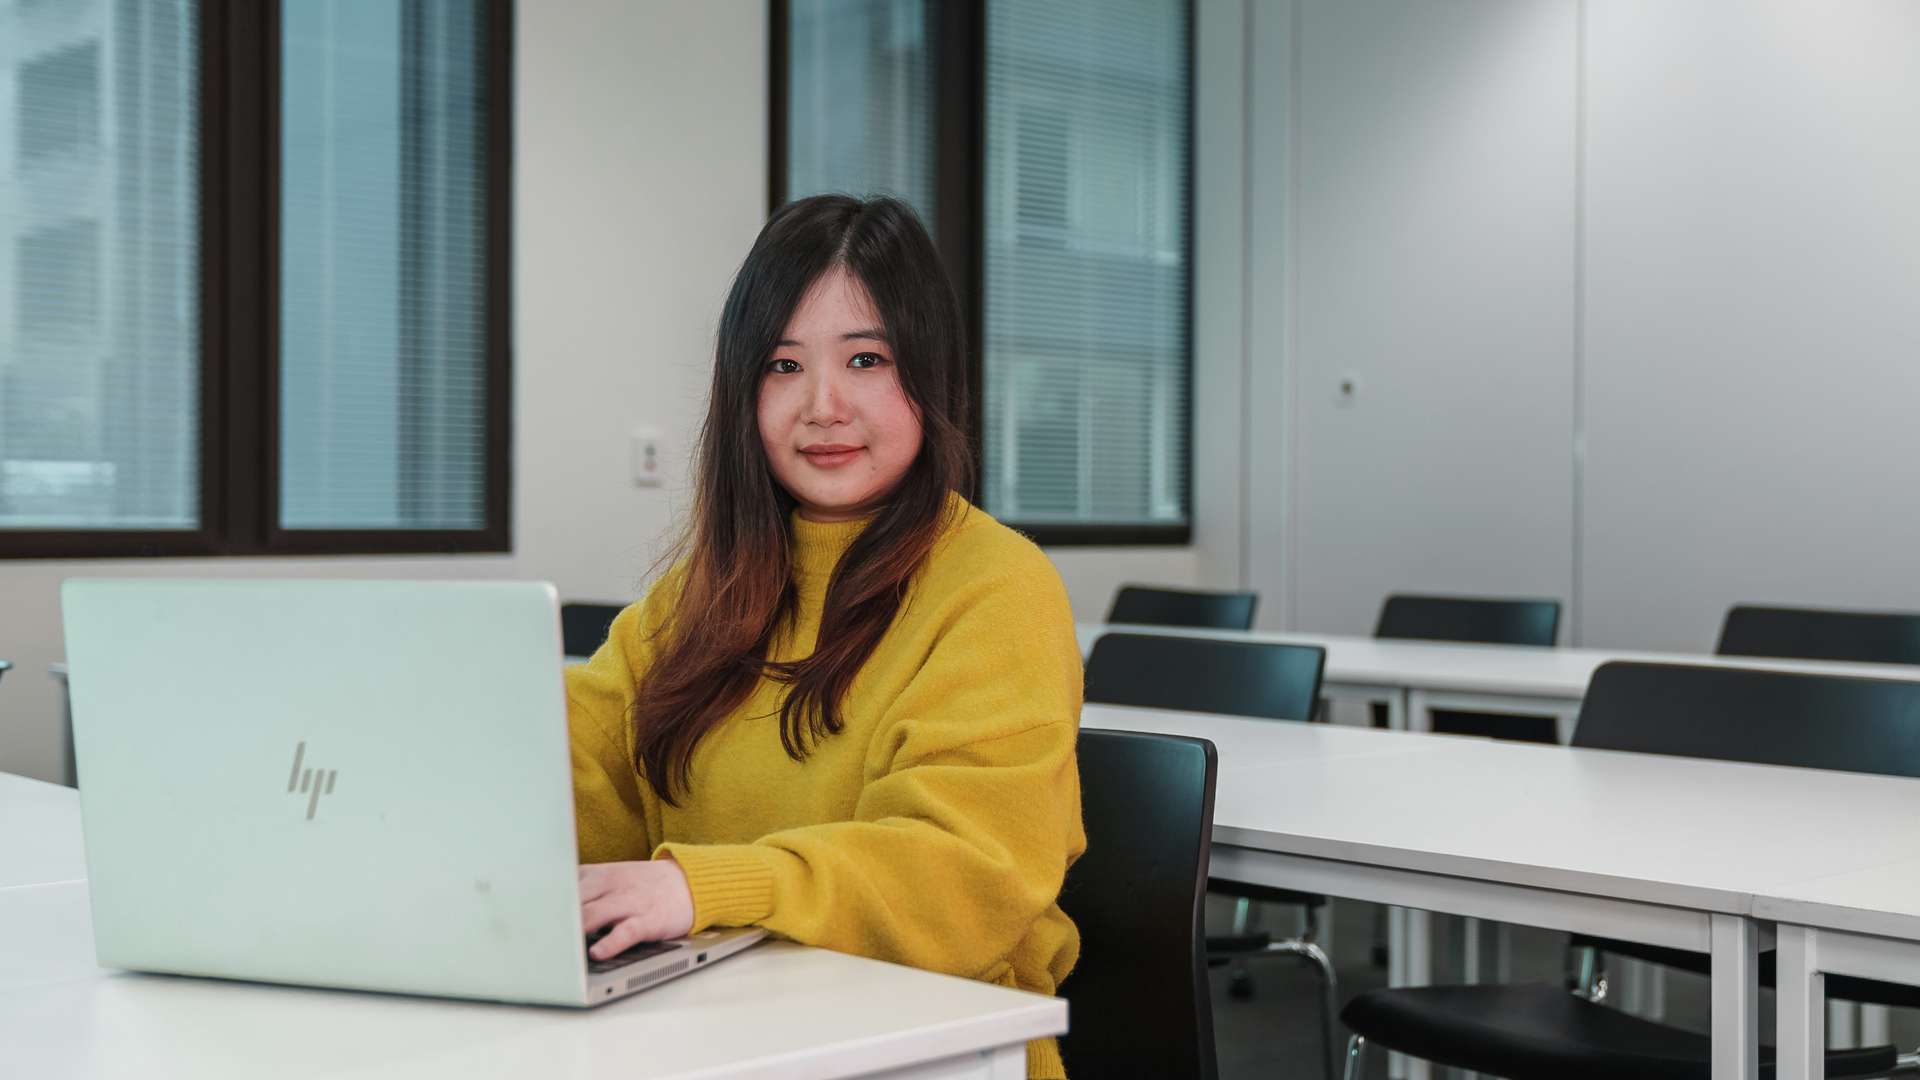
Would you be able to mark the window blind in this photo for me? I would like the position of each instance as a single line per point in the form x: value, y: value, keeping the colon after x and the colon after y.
x: 860, y: 101
x: 382, y: 266
x: 1086, y: 254
x: 99, y: 265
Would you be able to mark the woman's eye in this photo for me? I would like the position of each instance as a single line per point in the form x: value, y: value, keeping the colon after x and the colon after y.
x: 784, y: 367
x: 866, y: 360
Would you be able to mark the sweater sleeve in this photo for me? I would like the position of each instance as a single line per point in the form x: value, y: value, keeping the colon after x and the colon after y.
x: 614, y: 819
x: 970, y: 812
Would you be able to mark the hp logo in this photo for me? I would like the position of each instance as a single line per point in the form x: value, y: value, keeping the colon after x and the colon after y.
x: 310, y: 782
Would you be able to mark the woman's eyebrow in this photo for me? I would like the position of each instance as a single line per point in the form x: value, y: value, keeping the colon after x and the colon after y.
x: 870, y: 333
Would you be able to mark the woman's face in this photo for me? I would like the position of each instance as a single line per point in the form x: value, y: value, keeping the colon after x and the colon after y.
x: 838, y: 430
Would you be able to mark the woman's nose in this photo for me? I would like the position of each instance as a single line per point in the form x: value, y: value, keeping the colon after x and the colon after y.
x: 828, y: 404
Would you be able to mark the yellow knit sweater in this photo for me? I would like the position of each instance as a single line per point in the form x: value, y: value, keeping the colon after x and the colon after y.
x: 934, y: 830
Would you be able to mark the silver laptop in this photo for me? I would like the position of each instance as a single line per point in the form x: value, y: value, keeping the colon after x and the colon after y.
x: 359, y: 784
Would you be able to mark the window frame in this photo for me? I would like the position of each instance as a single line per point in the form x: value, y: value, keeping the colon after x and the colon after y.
x: 239, y: 238
x: 958, y: 45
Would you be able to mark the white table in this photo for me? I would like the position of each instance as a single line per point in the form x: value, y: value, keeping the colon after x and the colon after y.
x: 1864, y: 923
x: 1444, y: 676
x: 1243, y: 743
x: 1417, y: 678
x: 1665, y: 850
x: 775, y: 1011
x: 39, y: 833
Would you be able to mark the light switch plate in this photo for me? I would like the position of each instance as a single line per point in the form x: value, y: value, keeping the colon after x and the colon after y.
x: 646, y: 456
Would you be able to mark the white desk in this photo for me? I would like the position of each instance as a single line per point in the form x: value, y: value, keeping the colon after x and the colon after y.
x: 1480, y: 678
x: 1243, y: 743
x: 775, y: 1011
x: 1417, y: 678
x: 1668, y: 851
x: 1665, y: 850
x: 1864, y: 923
x: 39, y: 833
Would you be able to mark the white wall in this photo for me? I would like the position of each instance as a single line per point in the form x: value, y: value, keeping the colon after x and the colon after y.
x: 1431, y: 202
x: 640, y: 183
x: 1752, y: 368
x: 1680, y: 237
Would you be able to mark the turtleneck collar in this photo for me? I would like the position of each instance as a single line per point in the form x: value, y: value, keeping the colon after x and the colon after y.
x: 818, y: 545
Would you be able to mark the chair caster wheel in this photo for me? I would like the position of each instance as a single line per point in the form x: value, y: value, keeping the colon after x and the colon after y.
x: 1240, y: 986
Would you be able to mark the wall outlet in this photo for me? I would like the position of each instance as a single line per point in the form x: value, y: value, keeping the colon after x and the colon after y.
x: 646, y: 456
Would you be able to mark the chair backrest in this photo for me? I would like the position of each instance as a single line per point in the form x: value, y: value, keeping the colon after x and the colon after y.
x: 1150, y: 606
x: 1762, y: 717
x: 1874, y: 637
x: 1470, y: 619
x: 583, y: 626
x: 1138, y: 1002
x: 1241, y: 678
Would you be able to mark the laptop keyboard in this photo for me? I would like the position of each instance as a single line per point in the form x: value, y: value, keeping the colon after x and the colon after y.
x: 619, y: 960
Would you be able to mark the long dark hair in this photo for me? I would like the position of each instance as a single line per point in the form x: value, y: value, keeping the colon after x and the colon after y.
x: 734, y: 556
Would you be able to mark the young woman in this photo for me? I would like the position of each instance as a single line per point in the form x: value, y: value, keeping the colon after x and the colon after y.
x: 847, y: 713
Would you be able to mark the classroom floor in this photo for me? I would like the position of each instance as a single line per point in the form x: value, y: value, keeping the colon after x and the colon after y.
x: 1275, y: 1035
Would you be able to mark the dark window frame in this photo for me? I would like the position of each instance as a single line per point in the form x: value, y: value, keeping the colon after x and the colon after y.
x: 239, y: 437
x: 958, y: 39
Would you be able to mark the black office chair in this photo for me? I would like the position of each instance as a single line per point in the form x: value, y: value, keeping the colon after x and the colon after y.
x: 1151, y: 606
x: 1214, y: 675
x: 1138, y: 1003
x: 584, y: 626
x: 1546, y: 1032
x: 1239, y: 678
x: 1871, y: 637
x: 1477, y: 621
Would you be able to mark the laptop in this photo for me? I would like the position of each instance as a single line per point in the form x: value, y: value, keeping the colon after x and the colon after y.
x: 354, y: 784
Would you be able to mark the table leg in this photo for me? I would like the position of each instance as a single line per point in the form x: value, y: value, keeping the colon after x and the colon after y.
x: 1400, y: 920
x: 1419, y: 971
x: 70, y: 768
x: 1843, y: 1025
x: 1396, y: 976
x: 1470, y: 949
x: 1418, y: 715
x: 1876, y: 1025
x: 1563, y: 725
x: 1629, y: 981
x: 1736, y: 998
x: 1502, y: 953
x: 1800, y: 1004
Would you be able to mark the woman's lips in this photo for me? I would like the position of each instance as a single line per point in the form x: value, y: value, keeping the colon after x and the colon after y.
x: 830, y: 455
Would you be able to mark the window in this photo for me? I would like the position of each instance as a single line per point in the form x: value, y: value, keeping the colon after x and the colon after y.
x: 1059, y: 147
x: 231, y: 328
x: 99, y: 313
x: 862, y: 92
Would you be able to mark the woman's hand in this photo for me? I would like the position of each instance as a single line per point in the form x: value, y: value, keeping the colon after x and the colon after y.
x: 639, y: 901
